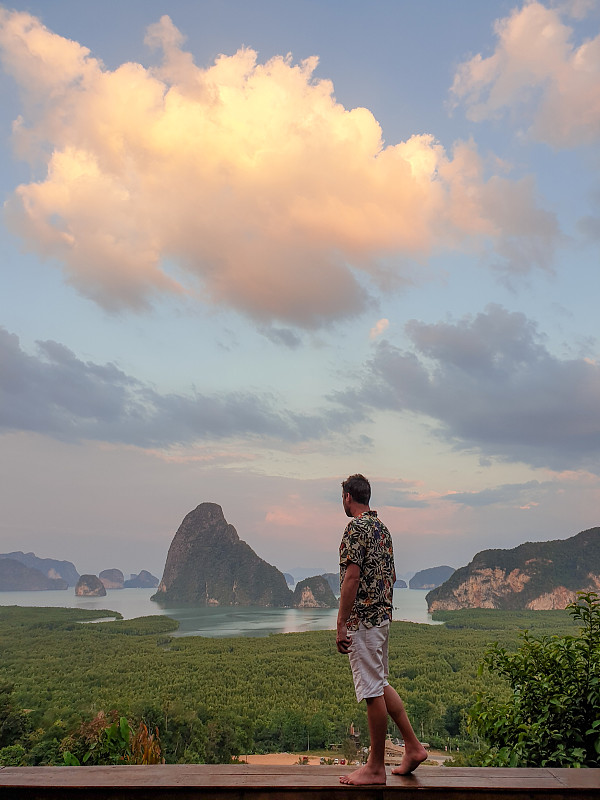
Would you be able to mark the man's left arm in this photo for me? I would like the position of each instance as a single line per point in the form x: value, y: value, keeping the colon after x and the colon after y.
x: 347, y: 598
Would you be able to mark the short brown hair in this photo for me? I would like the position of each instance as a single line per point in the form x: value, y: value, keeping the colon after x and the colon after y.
x: 359, y: 489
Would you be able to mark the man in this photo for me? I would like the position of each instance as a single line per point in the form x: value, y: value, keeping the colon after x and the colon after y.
x: 367, y: 577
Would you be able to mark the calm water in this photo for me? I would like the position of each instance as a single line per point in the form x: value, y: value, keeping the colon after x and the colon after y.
x: 216, y: 621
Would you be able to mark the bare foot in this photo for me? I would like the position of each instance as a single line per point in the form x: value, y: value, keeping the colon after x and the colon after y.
x: 365, y: 776
x: 410, y: 762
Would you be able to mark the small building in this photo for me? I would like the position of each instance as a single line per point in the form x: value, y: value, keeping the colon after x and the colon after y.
x: 393, y: 753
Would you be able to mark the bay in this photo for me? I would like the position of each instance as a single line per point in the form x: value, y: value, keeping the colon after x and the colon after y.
x: 216, y: 621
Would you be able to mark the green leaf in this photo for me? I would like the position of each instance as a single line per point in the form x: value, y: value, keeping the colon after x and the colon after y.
x: 124, y: 726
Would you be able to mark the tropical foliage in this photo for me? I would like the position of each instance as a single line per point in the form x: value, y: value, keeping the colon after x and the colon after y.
x: 103, y: 741
x: 552, y: 715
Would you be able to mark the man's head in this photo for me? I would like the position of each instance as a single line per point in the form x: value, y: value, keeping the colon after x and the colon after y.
x: 356, y: 491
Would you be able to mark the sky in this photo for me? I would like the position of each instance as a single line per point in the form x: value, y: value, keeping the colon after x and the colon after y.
x: 250, y: 248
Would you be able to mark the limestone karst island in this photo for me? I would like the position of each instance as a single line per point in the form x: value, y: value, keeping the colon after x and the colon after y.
x: 535, y: 575
x: 208, y: 564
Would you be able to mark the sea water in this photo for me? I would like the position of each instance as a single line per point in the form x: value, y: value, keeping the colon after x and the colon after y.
x: 216, y: 621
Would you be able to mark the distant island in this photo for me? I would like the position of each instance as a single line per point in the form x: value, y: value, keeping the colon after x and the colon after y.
x: 314, y: 592
x: 90, y: 586
x: 144, y: 580
x: 333, y: 579
x: 534, y: 575
x: 25, y: 572
x: 112, y: 578
x: 49, y: 567
x: 430, y: 578
x: 17, y: 577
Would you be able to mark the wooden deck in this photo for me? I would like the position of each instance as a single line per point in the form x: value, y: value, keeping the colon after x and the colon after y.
x: 251, y: 782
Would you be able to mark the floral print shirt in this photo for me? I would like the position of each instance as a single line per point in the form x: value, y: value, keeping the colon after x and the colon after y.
x: 368, y: 543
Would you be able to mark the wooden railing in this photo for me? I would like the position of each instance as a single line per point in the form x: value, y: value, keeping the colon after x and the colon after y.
x: 251, y: 782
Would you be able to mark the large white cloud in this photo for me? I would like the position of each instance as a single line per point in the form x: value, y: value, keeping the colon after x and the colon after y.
x: 539, y: 68
x: 244, y: 184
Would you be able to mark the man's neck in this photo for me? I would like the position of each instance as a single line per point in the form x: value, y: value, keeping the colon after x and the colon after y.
x: 358, y: 509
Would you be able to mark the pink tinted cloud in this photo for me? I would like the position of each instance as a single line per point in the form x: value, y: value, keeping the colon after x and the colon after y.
x: 243, y: 184
x: 538, y: 69
x: 298, y: 512
x: 379, y: 328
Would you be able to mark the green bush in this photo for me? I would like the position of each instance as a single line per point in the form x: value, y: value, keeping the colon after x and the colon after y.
x: 552, y: 716
x: 12, y: 756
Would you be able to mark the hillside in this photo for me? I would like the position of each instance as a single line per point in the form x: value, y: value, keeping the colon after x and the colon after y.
x: 534, y: 575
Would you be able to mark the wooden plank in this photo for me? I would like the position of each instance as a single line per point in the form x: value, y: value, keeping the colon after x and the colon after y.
x: 253, y: 782
x: 582, y: 778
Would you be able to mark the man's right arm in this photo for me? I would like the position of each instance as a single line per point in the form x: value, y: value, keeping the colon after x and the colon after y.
x: 347, y: 598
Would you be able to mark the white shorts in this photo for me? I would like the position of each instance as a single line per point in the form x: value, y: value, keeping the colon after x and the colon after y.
x: 369, y: 659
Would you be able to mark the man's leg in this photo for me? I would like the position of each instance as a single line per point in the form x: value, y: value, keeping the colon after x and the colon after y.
x: 374, y: 770
x: 414, y: 752
x: 369, y: 668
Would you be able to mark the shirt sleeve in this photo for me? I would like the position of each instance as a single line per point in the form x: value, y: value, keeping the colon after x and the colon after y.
x: 353, y: 548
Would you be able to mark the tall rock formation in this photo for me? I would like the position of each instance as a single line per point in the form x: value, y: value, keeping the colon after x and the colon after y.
x: 534, y: 575
x: 208, y: 564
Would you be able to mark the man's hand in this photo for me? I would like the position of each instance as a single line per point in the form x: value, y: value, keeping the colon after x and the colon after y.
x: 342, y: 640
x: 347, y: 598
